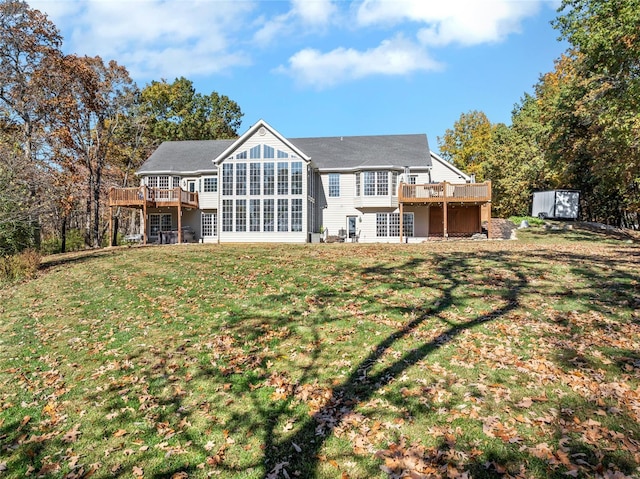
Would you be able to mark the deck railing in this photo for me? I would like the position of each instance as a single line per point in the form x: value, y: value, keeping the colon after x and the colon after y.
x: 440, y: 192
x: 152, y: 196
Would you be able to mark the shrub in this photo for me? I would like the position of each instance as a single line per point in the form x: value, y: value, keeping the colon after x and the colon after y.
x: 75, y: 242
x: 19, y: 266
x: 516, y: 220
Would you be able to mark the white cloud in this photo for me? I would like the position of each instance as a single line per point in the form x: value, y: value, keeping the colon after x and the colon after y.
x: 466, y: 22
x: 303, y: 16
x: 153, y: 38
x: 397, y: 56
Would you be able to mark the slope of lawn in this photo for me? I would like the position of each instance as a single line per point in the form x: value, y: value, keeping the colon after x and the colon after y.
x: 451, y: 359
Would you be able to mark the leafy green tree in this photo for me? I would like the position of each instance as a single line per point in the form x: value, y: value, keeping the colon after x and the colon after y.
x: 516, y: 161
x: 594, y: 110
x: 466, y: 145
x: 175, y: 111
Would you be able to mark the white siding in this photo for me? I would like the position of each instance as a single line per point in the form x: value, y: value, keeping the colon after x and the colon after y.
x: 444, y: 171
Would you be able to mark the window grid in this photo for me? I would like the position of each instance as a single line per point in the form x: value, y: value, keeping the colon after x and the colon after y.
x: 163, y: 182
x: 296, y: 214
x: 296, y: 178
x: 283, y: 178
x: 241, y: 179
x: 283, y: 215
x: 268, y: 178
x: 176, y: 182
x: 254, y: 179
x: 211, y: 184
x: 334, y: 185
x: 383, y: 183
x: 152, y: 181
x: 369, y: 183
x: 209, y: 224
x: 227, y: 180
x: 227, y: 215
x: 357, y: 184
x: 241, y: 215
x: 267, y: 217
x: 388, y: 224
x: 254, y: 215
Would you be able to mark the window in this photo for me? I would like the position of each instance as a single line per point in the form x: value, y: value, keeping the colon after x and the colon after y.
x: 254, y: 152
x: 152, y: 181
x: 268, y: 187
x: 296, y: 178
x: 296, y: 214
x: 283, y: 154
x: 394, y: 183
x: 210, y: 184
x: 267, y: 217
x: 159, y: 222
x: 369, y: 183
x: 241, y: 179
x: 283, y: 215
x: 357, y: 184
x: 241, y: 156
x: 388, y: 224
x: 254, y: 179
x: 227, y: 215
x: 334, y: 184
x: 283, y: 178
x: 163, y: 182
x: 382, y: 224
x: 209, y: 224
x: 254, y: 215
x: 227, y: 180
x: 383, y: 183
x: 241, y: 215
x: 413, y: 179
x: 268, y: 151
x: 175, y: 182
x: 376, y: 183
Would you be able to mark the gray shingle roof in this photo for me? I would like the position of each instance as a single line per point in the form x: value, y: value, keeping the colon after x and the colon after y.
x: 326, y: 153
x: 185, y: 156
x: 366, y: 151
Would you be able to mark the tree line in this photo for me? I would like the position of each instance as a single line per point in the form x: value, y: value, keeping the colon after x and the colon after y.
x: 578, y: 129
x: 73, y: 126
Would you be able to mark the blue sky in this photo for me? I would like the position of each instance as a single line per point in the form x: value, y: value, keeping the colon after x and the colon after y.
x: 328, y: 68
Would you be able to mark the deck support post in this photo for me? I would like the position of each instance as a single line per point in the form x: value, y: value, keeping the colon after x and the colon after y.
x: 110, y: 226
x: 401, y: 220
x: 445, y: 225
x: 143, y: 221
x: 179, y: 220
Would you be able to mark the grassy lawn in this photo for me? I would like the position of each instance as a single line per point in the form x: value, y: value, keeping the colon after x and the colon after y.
x: 452, y: 359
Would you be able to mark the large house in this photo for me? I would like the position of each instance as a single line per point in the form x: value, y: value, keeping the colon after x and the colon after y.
x: 263, y: 187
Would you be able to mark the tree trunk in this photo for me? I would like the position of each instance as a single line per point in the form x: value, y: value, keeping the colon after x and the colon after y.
x: 63, y: 234
x: 114, y: 237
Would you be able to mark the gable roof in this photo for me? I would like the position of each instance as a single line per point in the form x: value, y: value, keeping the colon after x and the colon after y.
x: 252, y: 131
x: 326, y: 153
x: 194, y: 156
x: 353, y: 152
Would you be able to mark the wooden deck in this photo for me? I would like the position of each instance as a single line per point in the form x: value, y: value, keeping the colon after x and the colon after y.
x: 145, y: 197
x: 476, y: 197
x: 445, y: 193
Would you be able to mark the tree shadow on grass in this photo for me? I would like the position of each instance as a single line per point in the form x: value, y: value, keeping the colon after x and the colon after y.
x: 359, y: 386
